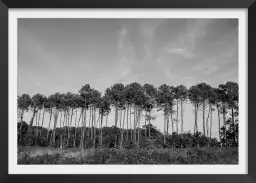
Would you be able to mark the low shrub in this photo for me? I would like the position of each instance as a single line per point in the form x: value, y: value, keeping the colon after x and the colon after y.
x: 141, y: 156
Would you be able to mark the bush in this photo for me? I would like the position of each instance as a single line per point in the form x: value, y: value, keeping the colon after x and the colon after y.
x: 141, y: 156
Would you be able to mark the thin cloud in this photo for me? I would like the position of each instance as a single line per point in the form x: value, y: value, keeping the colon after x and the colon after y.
x: 211, y: 70
x: 185, y: 52
x: 188, y: 77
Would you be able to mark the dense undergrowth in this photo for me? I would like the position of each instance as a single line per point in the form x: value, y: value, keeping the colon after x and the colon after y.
x: 139, y: 156
x: 111, y: 138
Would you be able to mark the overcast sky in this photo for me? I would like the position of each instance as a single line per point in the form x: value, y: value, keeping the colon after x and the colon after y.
x: 61, y: 55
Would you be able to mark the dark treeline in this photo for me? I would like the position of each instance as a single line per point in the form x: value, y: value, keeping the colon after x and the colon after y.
x: 80, y: 120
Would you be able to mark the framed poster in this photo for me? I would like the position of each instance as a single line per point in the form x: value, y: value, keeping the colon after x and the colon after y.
x: 125, y: 90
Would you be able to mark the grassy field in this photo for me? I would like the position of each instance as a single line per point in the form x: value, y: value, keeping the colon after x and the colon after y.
x: 128, y: 156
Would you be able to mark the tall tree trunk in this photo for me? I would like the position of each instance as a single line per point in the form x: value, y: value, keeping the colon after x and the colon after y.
x: 181, y: 113
x: 122, y: 131
x: 172, y: 127
x: 101, y: 136
x: 61, y: 136
x: 42, y: 124
x: 60, y: 126
x: 95, y: 128
x: 207, y: 124
x: 21, y: 122
x: 149, y: 124
x: 93, y: 122
x: 116, y: 116
x: 107, y: 120
x: 116, y: 125
x: 167, y: 116
x: 60, y: 118
x: 74, y: 140
x: 82, y: 130
x: 195, y: 120
x: 78, y: 123
x: 232, y: 114
x: 49, y: 126
x: 233, y: 122
x: 39, y: 117
x: 177, y: 122
x: 120, y: 120
x: 131, y: 121
x: 134, y: 126
x: 195, y: 127
x: 32, y: 119
x: 211, y: 124
x: 30, y: 130
x: 70, y: 129
x: 127, y: 121
x: 164, y: 126
x: 68, y: 121
x: 203, y: 118
x: 54, y: 127
x: 92, y: 119
x: 37, y: 126
x: 84, y: 123
x: 172, y: 124
x: 70, y: 126
x: 65, y: 128
x: 219, y: 122
x: 145, y: 124
x: 138, y: 121
x: 197, y: 117
x: 224, y: 122
x: 89, y: 125
x: 36, y: 118
x: 120, y: 123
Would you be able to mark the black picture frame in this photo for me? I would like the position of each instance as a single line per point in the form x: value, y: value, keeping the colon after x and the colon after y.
x: 5, y: 4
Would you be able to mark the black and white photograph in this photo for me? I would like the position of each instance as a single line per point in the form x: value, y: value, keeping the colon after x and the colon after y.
x: 128, y: 91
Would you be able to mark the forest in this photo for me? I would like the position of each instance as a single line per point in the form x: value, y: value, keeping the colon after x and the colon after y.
x: 79, y: 121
